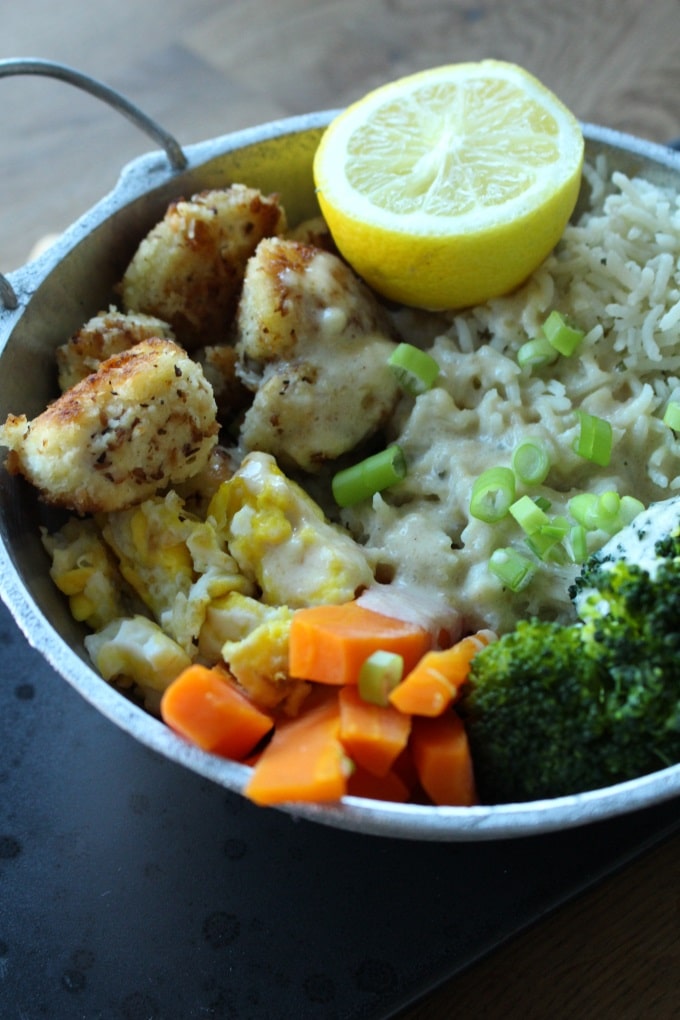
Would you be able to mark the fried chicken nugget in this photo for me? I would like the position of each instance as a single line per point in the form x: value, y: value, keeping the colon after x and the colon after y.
x: 313, y: 343
x: 189, y: 268
x: 104, y: 335
x: 144, y: 421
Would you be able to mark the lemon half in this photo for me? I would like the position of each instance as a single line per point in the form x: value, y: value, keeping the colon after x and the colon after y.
x: 450, y: 186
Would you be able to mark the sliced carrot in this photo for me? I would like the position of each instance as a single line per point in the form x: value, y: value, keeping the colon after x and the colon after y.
x: 441, y: 755
x: 304, y: 761
x: 205, y: 706
x: 389, y: 787
x: 373, y: 735
x: 406, y: 770
x: 430, y: 687
x: 329, y: 644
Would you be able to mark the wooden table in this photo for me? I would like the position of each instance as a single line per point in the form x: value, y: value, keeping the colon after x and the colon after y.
x: 205, y: 67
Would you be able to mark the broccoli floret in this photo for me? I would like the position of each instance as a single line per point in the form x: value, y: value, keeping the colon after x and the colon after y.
x: 556, y: 709
x: 531, y: 707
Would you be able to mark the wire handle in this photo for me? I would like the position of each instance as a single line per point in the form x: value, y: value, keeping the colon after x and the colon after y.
x: 87, y: 83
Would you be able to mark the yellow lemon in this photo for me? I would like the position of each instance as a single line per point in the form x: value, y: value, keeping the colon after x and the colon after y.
x: 450, y: 186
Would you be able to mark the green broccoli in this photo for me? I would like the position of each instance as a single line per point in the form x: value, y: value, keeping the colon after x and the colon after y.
x: 555, y: 709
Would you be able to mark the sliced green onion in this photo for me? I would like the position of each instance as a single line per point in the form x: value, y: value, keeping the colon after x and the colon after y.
x: 492, y: 493
x: 536, y: 353
x: 543, y: 502
x: 560, y: 335
x: 672, y: 415
x: 416, y: 371
x: 594, y: 441
x: 542, y: 545
x: 583, y: 508
x: 379, y: 675
x: 577, y: 543
x: 529, y: 516
x: 630, y: 508
x: 511, y: 568
x: 557, y: 527
x: 607, y: 512
x: 375, y: 473
x: 531, y: 462
x: 608, y: 507
x: 547, y: 541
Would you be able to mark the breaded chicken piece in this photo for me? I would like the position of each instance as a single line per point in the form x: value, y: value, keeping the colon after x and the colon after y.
x: 313, y: 343
x: 219, y: 363
x: 104, y: 335
x: 315, y: 232
x: 145, y: 420
x: 189, y: 269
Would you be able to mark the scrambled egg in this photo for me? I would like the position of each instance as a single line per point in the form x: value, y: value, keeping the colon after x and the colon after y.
x: 174, y: 562
x: 84, y: 569
x: 162, y: 587
x: 280, y: 539
x: 252, y: 639
x: 135, y: 650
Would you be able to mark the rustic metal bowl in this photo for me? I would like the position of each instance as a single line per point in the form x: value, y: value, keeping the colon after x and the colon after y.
x: 57, y: 292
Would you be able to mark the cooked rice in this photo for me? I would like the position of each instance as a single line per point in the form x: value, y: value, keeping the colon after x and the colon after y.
x: 616, y: 275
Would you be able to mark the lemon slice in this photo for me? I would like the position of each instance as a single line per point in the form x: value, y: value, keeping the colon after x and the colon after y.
x: 450, y: 186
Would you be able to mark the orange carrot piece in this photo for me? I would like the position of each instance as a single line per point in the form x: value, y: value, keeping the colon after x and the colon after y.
x: 329, y: 644
x: 205, y: 706
x: 304, y: 761
x: 405, y: 769
x: 441, y: 755
x: 373, y: 735
x: 390, y: 787
x: 434, y: 682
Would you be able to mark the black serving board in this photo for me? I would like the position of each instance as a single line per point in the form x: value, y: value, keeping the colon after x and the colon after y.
x: 132, y: 890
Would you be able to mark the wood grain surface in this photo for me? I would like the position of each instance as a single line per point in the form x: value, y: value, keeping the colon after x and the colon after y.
x: 205, y: 67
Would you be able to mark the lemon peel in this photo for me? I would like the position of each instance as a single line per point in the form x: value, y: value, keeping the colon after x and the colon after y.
x: 450, y: 186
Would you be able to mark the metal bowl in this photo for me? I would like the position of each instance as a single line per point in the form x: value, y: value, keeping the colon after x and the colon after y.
x: 56, y: 293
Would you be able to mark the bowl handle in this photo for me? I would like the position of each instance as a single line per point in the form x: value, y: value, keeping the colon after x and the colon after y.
x: 51, y: 69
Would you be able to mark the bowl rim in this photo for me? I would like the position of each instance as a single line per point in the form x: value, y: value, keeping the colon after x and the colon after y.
x: 405, y: 821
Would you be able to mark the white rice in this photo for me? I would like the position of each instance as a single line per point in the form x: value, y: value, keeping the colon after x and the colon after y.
x: 616, y: 275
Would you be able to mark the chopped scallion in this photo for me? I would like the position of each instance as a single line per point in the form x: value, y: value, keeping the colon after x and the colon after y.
x: 363, y: 480
x: 511, y: 568
x: 608, y: 509
x: 630, y: 508
x: 529, y: 516
x: 577, y: 543
x: 595, y: 439
x: 536, y: 353
x: 547, y: 541
x: 557, y: 527
x: 531, y: 462
x: 416, y: 371
x: 542, y: 545
x: 379, y: 675
x: 583, y: 508
x: 672, y: 415
x: 606, y: 512
x: 492, y: 493
x: 560, y: 335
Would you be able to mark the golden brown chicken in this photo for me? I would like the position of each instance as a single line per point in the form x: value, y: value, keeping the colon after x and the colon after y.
x: 101, y: 337
x: 145, y: 420
x: 313, y: 343
x: 189, y: 268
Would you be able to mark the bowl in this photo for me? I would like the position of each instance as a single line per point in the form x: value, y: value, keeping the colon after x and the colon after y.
x: 72, y: 280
